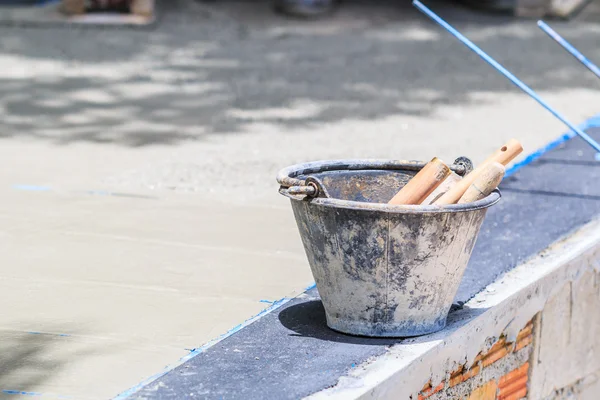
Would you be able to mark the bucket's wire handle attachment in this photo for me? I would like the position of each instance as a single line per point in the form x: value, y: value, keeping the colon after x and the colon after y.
x: 465, y: 162
x: 312, y: 187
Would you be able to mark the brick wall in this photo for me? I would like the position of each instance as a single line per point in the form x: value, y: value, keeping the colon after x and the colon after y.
x: 501, y: 373
x: 553, y: 358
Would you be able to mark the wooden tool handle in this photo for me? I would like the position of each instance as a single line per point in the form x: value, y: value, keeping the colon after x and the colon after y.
x: 423, y: 183
x: 506, y: 153
x: 449, y: 182
x: 486, y: 182
x: 503, y: 155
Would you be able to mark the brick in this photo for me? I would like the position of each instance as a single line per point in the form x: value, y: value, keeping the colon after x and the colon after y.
x: 497, y: 346
x: 485, y: 392
x: 495, y: 355
x: 456, y: 377
x: 514, y: 375
x: 523, y: 342
x: 513, y: 385
x: 525, y: 331
x: 517, y: 395
x: 427, y: 391
x: 471, y: 373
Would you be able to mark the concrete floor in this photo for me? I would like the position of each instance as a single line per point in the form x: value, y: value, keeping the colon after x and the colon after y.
x: 187, y: 124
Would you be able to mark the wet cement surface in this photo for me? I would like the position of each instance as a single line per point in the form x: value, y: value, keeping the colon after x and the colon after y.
x: 141, y: 216
x: 290, y: 353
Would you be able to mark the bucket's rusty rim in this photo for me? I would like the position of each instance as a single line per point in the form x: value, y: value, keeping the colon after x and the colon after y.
x: 288, y: 180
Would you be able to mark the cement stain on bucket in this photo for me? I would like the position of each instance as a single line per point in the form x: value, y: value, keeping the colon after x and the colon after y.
x: 381, y: 270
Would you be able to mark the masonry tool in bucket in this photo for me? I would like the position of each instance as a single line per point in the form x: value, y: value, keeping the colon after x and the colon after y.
x: 382, y: 269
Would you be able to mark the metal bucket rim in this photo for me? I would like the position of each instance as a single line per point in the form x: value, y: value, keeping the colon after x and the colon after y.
x: 288, y: 176
x: 486, y: 202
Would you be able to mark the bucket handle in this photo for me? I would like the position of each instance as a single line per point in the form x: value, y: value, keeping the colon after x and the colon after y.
x: 313, y: 187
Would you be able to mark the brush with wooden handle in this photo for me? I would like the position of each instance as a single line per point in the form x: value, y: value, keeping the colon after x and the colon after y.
x: 503, y: 155
x: 423, y: 183
x: 488, y: 180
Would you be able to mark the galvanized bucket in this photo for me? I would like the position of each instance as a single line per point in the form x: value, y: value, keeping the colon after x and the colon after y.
x: 381, y: 270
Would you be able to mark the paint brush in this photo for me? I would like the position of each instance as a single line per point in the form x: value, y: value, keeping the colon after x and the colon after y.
x: 504, y: 72
x: 569, y: 48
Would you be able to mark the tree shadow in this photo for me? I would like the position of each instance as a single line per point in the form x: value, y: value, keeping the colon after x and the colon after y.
x: 228, y: 67
x: 28, y: 359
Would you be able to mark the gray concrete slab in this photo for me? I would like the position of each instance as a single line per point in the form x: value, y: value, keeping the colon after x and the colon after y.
x: 186, y: 124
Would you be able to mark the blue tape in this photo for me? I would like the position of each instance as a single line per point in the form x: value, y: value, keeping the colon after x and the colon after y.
x: 194, y: 352
x: 51, y: 334
x: 22, y: 393
x: 32, y: 188
x: 593, y: 122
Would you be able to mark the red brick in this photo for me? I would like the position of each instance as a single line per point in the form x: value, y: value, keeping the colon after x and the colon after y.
x: 513, y: 375
x: 495, y: 355
x: 456, y: 377
x: 524, y: 341
x: 485, y: 392
x: 517, y: 395
x: 513, y: 385
x: 525, y: 331
x: 427, y: 391
x: 471, y: 373
x: 497, y: 346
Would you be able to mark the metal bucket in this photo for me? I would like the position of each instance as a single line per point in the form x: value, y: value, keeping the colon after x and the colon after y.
x: 381, y: 270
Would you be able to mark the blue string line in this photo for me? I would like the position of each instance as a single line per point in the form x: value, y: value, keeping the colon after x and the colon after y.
x: 504, y: 72
x: 570, y: 48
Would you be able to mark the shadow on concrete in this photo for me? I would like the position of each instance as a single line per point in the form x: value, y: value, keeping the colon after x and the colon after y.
x: 308, y: 320
x: 228, y: 67
x: 28, y: 359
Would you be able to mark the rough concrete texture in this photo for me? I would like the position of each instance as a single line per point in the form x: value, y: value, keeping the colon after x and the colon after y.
x: 186, y: 124
x: 586, y: 388
x: 569, y: 337
x: 503, y: 308
x: 492, y: 373
x: 514, y: 231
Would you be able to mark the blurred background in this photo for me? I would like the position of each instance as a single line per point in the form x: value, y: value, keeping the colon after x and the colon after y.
x: 140, y: 142
x: 190, y: 92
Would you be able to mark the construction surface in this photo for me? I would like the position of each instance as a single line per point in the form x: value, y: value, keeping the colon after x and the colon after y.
x: 290, y: 353
x: 141, y: 217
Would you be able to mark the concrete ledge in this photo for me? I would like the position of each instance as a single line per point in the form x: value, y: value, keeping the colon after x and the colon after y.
x: 533, y: 268
x: 503, y: 309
